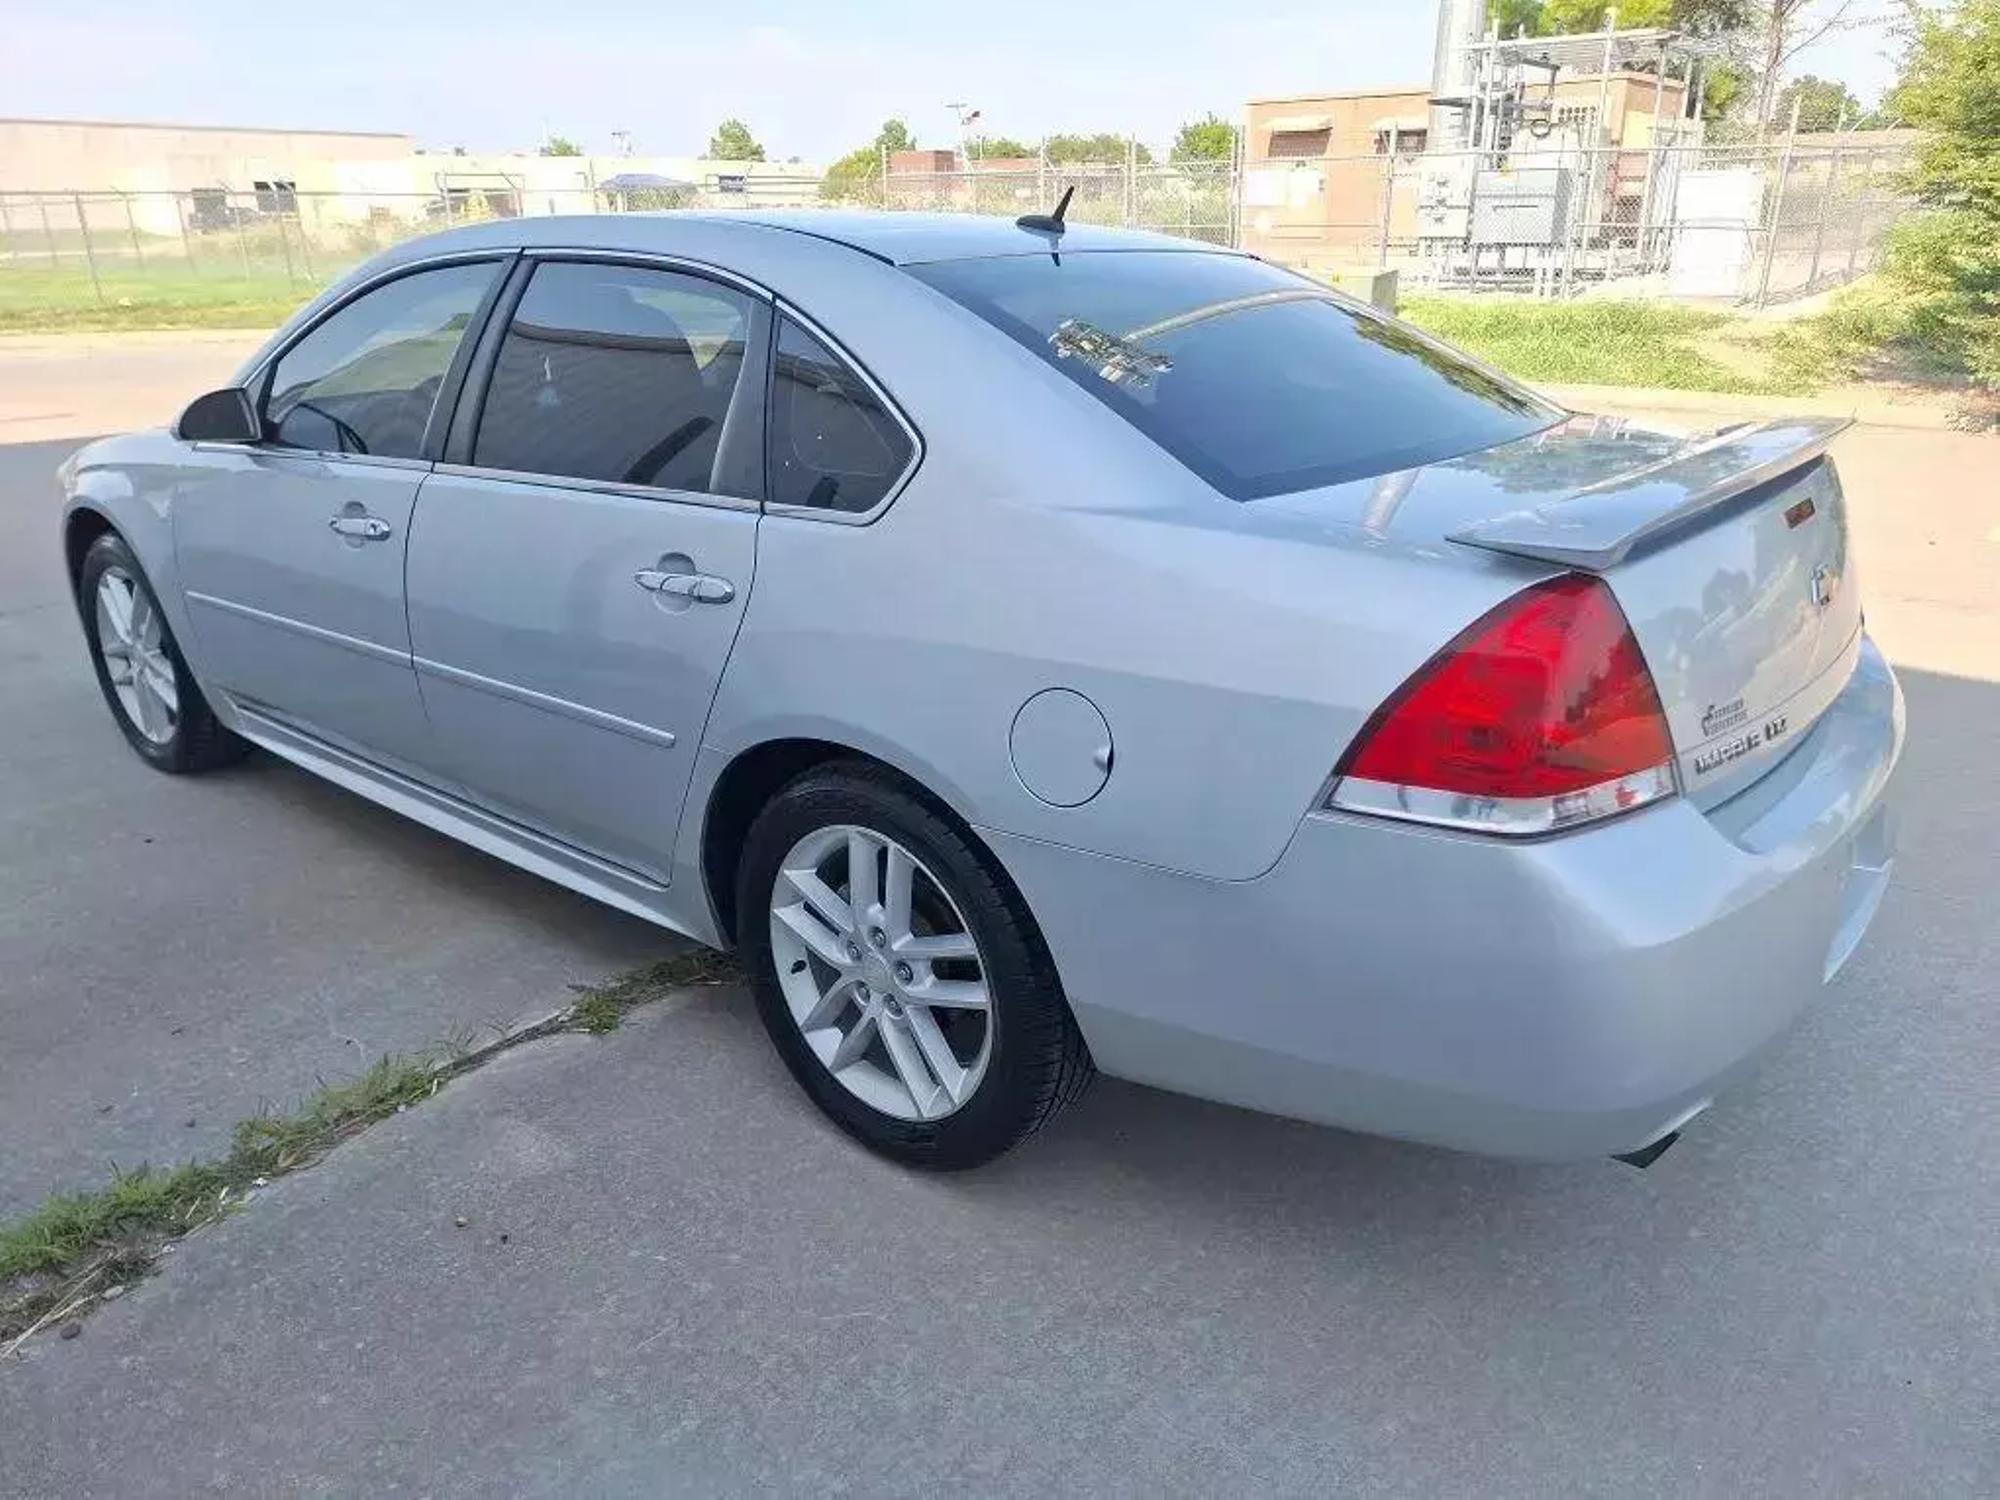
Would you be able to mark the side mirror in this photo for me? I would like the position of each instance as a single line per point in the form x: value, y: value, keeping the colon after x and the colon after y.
x: 224, y: 416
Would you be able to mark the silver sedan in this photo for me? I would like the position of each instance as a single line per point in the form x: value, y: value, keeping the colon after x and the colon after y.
x: 1038, y: 648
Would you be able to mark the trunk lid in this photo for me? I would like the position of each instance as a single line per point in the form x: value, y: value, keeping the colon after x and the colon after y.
x: 1728, y: 554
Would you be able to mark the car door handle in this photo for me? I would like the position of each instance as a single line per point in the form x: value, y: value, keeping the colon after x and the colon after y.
x: 362, y: 528
x: 702, y: 588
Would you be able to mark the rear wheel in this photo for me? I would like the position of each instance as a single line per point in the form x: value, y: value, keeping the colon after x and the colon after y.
x: 899, y: 974
x: 145, y: 680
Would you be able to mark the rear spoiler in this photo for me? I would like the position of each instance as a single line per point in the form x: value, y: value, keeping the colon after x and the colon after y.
x: 1594, y: 528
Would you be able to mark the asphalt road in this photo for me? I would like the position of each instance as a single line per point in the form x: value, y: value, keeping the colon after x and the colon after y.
x: 674, y: 1277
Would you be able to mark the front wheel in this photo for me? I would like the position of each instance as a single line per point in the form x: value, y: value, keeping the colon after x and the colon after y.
x: 899, y: 973
x: 145, y: 680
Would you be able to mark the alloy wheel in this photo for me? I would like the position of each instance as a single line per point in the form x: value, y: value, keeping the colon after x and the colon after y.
x: 131, y: 640
x: 881, y: 972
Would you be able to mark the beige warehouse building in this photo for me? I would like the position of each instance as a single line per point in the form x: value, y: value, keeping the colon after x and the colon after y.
x: 116, y: 156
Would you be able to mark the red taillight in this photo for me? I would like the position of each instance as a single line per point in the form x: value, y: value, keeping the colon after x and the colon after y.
x: 1539, y: 715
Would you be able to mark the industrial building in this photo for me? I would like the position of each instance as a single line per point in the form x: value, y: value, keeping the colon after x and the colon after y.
x: 1523, y: 158
x: 169, y: 180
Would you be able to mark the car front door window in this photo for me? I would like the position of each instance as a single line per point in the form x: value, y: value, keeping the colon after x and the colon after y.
x: 364, y: 380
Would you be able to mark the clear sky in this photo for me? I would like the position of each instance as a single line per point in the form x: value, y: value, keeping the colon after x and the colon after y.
x: 810, y: 79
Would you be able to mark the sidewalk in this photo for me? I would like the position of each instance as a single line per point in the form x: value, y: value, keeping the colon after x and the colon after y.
x: 1877, y: 405
x: 71, y: 386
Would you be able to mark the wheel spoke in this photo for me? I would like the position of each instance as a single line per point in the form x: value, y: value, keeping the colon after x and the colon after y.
x: 931, y: 948
x: 938, y: 1056
x: 835, y: 999
x: 151, y: 712
x: 854, y: 1044
x: 822, y: 899
x: 144, y: 623
x: 898, y: 874
x: 910, y: 1064
x: 160, y: 676
x: 117, y: 611
x: 864, y: 854
x: 951, y: 994
x: 828, y: 947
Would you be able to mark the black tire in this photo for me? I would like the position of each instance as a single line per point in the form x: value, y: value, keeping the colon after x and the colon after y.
x: 1038, y: 1063
x: 199, y: 741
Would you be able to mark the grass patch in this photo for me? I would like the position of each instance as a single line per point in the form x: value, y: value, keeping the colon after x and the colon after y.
x: 60, y: 1259
x: 61, y: 298
x: 1865, y: 332
x: 601, y: 1008
x: 1654, y: 344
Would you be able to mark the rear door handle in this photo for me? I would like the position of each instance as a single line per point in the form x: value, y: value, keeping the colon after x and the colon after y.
x: 362, y: 528
x: 702, y: 588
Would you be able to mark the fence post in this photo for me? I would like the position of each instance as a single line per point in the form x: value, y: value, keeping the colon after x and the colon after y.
x: 1778, y: 203
x: 6, y: 224
x: 1388, y: 201
x: 1825, y: 213
x: 1863, y: 218
x: 305, y: 244
x: 48, y: 234
x: 1131, y: 182
x: 181, y: 223
x: 1233, y: 210
x: 285, y: 248
x: 1643, y: 242
x: 89, y: 255
x: 132, y: 230
x: 882, y: 152
x: 242, y: 239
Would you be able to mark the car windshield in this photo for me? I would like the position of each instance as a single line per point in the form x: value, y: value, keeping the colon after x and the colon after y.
x: 1257, y: 379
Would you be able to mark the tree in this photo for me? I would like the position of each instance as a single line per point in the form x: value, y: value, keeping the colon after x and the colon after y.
x: 1564, y: 17
x: 732, y: 141
x: 1208, y: 139
x: 560, y: 145
x: 982, y: 146
x: 1722, y: 90
x: 859, y: 173
x: 1101, y: 147
x: 1947, y: 257
x: 1783, y: 29
x: 1823, y: 104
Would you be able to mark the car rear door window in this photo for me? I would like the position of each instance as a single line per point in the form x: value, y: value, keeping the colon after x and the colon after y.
x: 616, y: 373
x: 1258, y: 379
x: 834, y: 443
x: 365, y: 379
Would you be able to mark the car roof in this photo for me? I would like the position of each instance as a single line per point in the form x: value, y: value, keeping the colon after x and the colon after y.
x: 904, y: 238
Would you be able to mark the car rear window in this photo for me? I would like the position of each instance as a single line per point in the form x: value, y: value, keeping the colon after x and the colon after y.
x: 1258, y: 379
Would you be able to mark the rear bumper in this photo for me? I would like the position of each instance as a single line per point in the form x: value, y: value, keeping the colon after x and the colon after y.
x: 1565, y: 997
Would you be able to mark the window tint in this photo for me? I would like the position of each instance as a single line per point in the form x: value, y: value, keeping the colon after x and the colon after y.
x: 1257, y: 379
x: 617, y: 373
x: 834, y: 445
x: 364, y: 381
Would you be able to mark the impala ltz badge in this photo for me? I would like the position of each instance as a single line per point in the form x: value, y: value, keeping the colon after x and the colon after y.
x: 1717, y: 756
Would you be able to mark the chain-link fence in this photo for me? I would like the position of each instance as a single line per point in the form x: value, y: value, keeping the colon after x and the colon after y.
x: 1743, y: 224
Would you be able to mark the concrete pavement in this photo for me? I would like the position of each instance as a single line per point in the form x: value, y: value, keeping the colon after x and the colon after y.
x: 702, y: 1288
x: 177, y: 952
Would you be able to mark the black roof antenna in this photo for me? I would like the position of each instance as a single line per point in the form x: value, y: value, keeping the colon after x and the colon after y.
x: 1050, y: 223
